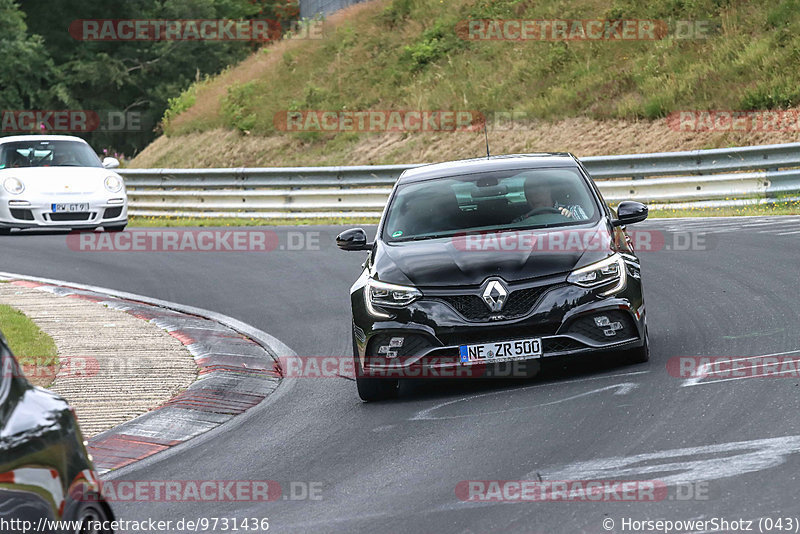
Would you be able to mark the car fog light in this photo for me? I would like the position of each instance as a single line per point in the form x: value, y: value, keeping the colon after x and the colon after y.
x: 609, y: 329
x: 390, y: 351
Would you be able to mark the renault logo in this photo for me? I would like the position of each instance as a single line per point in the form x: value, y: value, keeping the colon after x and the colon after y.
x: 495, y: 294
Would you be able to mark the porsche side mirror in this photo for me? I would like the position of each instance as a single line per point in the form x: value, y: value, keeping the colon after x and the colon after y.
x: 110, y: 163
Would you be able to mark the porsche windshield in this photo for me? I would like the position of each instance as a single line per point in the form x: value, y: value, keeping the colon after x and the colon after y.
x: 492, y: 201
x: 44, y: 153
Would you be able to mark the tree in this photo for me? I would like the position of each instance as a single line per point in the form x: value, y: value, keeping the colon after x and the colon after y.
x: 128, y: 76
x: 28, y: 79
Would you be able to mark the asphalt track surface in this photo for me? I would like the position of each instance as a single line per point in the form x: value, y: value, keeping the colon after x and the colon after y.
x: 394, y: 466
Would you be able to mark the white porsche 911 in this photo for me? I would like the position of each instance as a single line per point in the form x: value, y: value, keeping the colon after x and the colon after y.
x: 57, y: 181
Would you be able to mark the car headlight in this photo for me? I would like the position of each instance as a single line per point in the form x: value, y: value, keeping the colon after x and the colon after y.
x: 13, y: 186
x: 608, y: 273
x: 389, y: 296
x: 113, y: 184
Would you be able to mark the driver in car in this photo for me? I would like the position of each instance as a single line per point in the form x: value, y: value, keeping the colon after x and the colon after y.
x: 539, y: 195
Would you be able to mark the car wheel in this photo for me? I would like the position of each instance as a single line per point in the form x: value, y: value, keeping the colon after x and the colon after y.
x: 5, y: 231
x: 640, y: 354
x: 91, y: 513
x: 118, y: 228
x: 373, y: 389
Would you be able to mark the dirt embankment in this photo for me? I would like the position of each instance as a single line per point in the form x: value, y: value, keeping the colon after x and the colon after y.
x: 581, y: 136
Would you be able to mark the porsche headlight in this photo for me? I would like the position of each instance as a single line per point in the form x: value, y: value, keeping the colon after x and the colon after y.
x: 113, y: 184
x: 608, y: 274
x: 13, y: 186
x: 389, y: 296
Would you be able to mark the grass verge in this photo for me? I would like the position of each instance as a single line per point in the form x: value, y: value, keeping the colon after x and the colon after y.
x: 786, y: 208
x: 35, y: 351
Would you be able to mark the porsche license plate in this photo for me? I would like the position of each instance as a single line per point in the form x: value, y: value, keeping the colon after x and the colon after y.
x: 79, y: 206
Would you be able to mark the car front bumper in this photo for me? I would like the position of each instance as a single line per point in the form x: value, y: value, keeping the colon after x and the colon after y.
x: 424, y: 338
x: 103, y: 210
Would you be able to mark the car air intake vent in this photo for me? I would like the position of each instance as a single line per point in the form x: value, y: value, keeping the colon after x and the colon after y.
x: 112, y: 213
x: 519, y: 303
x: 560, y: 344
x: 23, y: 215
x: 76, y: 216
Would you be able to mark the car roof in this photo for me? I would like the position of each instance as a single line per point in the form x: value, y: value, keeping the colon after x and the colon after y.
x: 492, y: 163
x: 14, y: 138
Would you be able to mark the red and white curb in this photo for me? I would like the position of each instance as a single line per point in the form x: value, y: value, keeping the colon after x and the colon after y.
x: 238, y: 369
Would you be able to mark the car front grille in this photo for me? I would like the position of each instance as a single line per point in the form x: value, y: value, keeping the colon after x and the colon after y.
x: 519, y: 303
x: 380, y: 347
x: 74, y: 216
x: 489, y: 335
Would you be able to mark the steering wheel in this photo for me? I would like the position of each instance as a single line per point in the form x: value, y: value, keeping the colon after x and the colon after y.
x: 539, y: 211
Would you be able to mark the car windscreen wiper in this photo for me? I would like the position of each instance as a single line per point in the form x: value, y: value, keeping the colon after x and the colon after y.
x: 428, y: 236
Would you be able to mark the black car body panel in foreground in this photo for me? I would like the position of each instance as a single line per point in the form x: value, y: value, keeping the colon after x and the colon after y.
x: 45, y: 472
x: 494, y: 252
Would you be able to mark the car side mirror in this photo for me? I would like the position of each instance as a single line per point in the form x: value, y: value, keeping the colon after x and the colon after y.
x: 110, y: 163
x: 630, y: 212
x: 353, y: 239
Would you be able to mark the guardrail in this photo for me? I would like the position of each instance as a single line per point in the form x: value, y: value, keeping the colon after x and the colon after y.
x: 698, y: 178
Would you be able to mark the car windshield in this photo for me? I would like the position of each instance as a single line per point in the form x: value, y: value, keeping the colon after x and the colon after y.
x: 17, y: 154
x: 492, y: 201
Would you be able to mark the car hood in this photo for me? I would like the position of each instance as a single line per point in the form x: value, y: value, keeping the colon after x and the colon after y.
x: 59, y: 180
x: 470, y: 260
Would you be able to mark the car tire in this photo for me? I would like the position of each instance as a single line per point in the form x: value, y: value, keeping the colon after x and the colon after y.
x: 373, y: 389
x: 5, y: 231
x: 640, y: 354
x: 95, y: 511
x: 118, y: 228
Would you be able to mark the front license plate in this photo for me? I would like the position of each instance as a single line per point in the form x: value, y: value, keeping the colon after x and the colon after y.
x: 81, y: 206
x: 520, y: 349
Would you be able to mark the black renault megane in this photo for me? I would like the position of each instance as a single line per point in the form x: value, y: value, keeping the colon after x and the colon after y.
x: 489, y: 261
